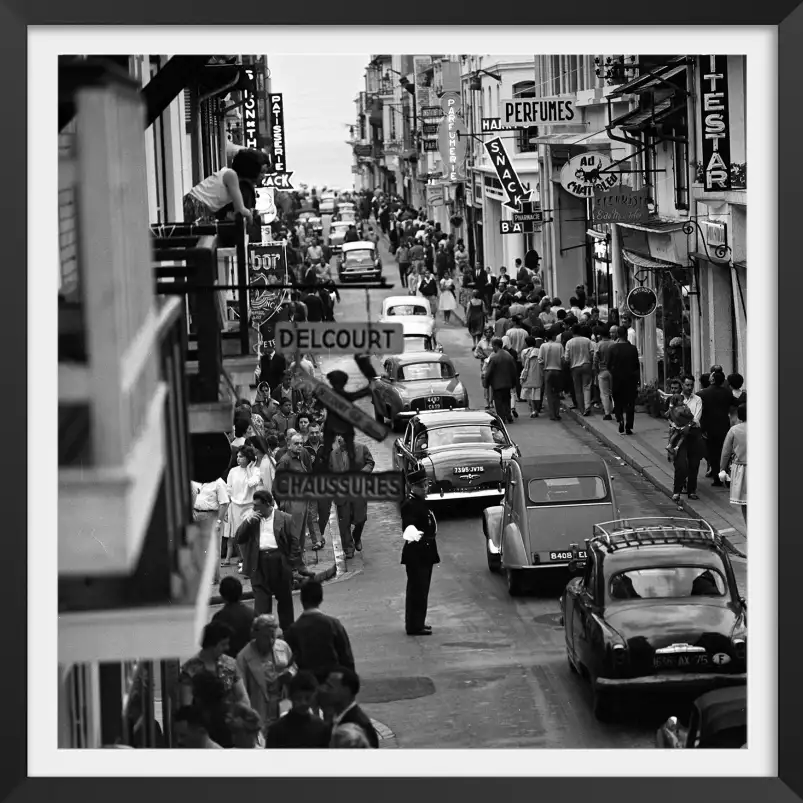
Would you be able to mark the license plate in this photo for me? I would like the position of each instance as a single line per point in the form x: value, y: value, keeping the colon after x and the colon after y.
x: 680, y: 661
x: 567, y: 556
x: 434, y: 403
x: 468, y: 470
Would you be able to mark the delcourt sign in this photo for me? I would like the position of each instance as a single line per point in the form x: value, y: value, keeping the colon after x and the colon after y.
x: 526, y: 112
x: 343, y: 338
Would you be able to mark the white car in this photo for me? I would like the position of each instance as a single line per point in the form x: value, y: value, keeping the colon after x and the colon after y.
x: 396, y: 309
x: 337, y: 234
x: 419, y: 334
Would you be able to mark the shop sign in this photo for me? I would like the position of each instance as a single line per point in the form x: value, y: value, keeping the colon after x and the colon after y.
x: 435, y: 194
x: 509, y: 227
x: 449, y: 100
x: 715, y: 123
x: 641, y: 301
x: 429, y: 129
x: 279, y: 181
x: 267, y: 268
x: 431, y: 112
x: 250, y: 120
x: 347, y: 486
x: 424, y: 96
x: 343, y: 338
x: 584, y: 175
x: 511, y: 183
x: 363, y: 150
x: 621, y: 204
x: 453, y: 142
x: 430, y: 145
x: 488, y: 124
x: 277, y: 150
x: 527, y: 112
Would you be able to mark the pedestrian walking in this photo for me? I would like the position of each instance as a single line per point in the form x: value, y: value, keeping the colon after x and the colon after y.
x: 351, y: 515
x: 270, y: 551
x: 733, y: 461
x: 448, y: 300
x: 690, y: 449
x: 296, y: 459
x: 242, y: 481
x: 625, y: 368
x: 300, y: 728
x: 601, y: 353
x: 210, y: 501
x: 475, y: 317
x: 419, y: 554
x: 319, y: 642
x: 532, y: 375
x: 501, y: 377
x: 339, y: 700
x: 246, y: 726
x: 578, y: 355
x: 266, y: 665
x: 335, y: 425
x: 428, y: 287
x: 483, y: 351
x: 235, y: 614
x: 550, y: 356
x: 403, y: 258
x: 715, y: 421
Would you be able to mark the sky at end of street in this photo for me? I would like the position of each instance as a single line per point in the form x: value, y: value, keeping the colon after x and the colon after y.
x: 318, y: 93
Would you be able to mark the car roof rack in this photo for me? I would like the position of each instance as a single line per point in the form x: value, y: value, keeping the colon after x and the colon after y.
x: 653, y: 530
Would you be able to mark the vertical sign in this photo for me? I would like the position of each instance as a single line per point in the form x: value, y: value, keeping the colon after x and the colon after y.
x: 423, y: 93
x: 250, y: 121
x: 267, y: 268
x: 277, y: 134
x: 453, y: 140
x: 715, y: 123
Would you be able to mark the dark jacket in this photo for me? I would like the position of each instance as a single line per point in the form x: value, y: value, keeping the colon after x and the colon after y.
x: 357, y: 716
x: 428, y: 289
x: 623, y: 363
x: 272, y: 369
x: 276, y: 395
x: 500, y: 373
x: 315, y: 307
x: 239, y: 618
x: 717, y: 404
x: 478, y: 282
x: 248, y: 538
x: 416, y: 512
x: 298, y: 731
x: 319, y: 644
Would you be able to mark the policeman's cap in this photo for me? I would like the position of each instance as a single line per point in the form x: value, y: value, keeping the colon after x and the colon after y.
x: 417, y: 476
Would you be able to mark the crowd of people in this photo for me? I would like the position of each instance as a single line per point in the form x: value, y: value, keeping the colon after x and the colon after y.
x: 258, y: 683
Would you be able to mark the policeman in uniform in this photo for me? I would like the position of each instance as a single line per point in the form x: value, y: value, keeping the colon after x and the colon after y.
x: 419, y: 554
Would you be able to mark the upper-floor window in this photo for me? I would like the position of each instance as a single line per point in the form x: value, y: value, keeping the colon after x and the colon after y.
x: 525, y: 89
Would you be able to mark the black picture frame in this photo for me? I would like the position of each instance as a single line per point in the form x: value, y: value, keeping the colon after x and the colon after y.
x: 15, y: 16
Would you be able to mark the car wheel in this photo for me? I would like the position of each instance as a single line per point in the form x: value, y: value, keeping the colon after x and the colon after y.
x: 514, y: 584
x: 602, y: 704
x: 494, y: 561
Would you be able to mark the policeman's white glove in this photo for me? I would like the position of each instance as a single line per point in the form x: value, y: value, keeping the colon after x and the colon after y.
x: 724, y: 476
x: 412, y: 533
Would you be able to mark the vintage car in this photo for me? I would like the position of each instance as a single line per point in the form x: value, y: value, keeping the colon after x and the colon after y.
x: 718, y: 721
x: 337, y: 234
x: 551, y: 501
x: 401, y: 309
x: 417, y: 381
x: 359, y: 260
x: 328, y: 204
x: 420, y: 335
x: 656, y: 608
x: 464, y: 453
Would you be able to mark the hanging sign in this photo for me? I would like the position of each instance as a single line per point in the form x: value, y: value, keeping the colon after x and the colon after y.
x: 715, y: 123
x: 430, y: 145
x: 279, y: 181
x: 424, y: 96
x: 583, y: 175
x: 279, y: 177
x: 488, y: 124
x: 621, y: 204
x: 429, y: 129
x: 510, y: 227
x: 346, y: 486
x: 250, y: 121
x: 641, y: 301
x: 453, y: 142
x: 450, y: 100
x: 511, y: 183
x: 339, y: 338
x: 526, y: 112
x: 267, y: 267
x: 266, y: 204
x: 431, y: 112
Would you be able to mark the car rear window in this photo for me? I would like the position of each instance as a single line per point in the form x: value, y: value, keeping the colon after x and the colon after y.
x: 554, y: 490
x: 465, y: 435
x: 426, y: 370
x: 360, y: 255
x: 407, y: 309
x: 668, y: 582
x: 417, y: 343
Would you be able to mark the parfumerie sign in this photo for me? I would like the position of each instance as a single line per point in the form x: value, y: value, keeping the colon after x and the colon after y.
x: 526, y: 112
x: 715, y: 123
x: 340, y: 338
x: 250, y: 122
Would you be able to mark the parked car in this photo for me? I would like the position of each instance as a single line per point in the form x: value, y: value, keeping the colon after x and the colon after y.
x: 337, y: 233
x: 656, y: 607
x: 551, y: 501
x: 418, y: 381
x: 359, y: 260
x: 464, y: 453
x: 718, y: 720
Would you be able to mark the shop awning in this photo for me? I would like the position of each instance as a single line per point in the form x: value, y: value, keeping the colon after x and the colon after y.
x: 596, y: 140
x: 656, y: 226
x: 639, y: 119
x: 651, y: 79
x: 645, y: 262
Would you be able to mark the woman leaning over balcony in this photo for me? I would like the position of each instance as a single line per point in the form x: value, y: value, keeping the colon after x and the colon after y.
x: 241, y: 483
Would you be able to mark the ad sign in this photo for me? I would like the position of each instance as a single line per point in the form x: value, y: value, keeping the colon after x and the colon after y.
x: 250, y: 119
x: 453, y: 143
x: 715, y: 123
x: 377, y: 486
x: 621, y: 204
x: 424, y: 96
x: 584, y: 175
x: 527, y: 112
x: 267, y: 267
x: 277, y: 152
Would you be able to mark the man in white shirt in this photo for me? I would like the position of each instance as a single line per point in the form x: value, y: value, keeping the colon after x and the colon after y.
x: 690, y: 450
x: 579, y: 356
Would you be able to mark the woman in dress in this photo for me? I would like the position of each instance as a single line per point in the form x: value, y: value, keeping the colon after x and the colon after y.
x: 241, y: 483
x: 734, y: 458
x: 475, y: 316
x: 532, y: 376
x: 448, y: 299
x: 482, y: 351
x: 266, y: 664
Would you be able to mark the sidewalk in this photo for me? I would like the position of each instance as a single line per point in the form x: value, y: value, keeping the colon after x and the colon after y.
x: 645, y: 451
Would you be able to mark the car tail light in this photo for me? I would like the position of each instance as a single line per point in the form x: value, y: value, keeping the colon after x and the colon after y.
x: 740, y: 649
x: 619, y: 658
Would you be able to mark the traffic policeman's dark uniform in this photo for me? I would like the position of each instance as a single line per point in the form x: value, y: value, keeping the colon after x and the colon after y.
x: 419, y: 556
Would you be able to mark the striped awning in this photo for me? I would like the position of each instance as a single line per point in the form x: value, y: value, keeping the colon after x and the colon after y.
x: 645, y: 262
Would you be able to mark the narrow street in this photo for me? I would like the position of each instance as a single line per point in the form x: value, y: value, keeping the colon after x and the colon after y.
x: 505, y: 656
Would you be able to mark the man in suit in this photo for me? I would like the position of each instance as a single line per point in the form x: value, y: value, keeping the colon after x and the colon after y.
x: 355, y: 512
x: 501, y: 377
x: 715, y: 419
x: 623, y: 363
x: 419, y: 554
x: 286, y: 391
x: 272, y: 366
x: 339, y: 700
x: 270, y: 550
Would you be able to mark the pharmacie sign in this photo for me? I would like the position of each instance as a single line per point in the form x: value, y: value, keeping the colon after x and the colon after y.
x: 584, y: 175
x: 250, y: 120
x: 526, y: 112
x: 715, y: 123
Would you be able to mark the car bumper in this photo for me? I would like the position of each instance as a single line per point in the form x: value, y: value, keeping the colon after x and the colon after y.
x: 438, y: 497
x: 667, y: 681
x: 361, y: 274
